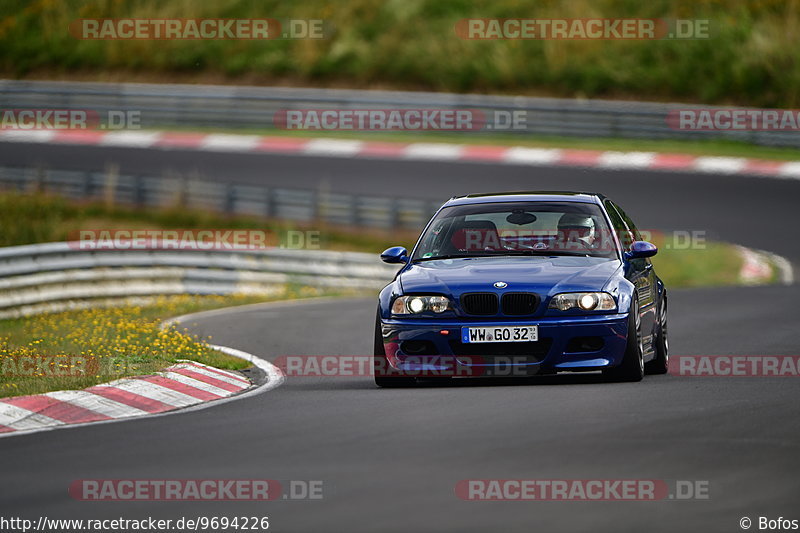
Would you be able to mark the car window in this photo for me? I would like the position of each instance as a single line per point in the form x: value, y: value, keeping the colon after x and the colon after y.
x: 629, y: 223
x: 621, y: 228
x: 517, y: 228
x: 546, y: 223
x: 436, y: 234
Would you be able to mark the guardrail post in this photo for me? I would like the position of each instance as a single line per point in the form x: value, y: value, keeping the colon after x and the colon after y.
x: 394, y: 215
x: 139, y: 196
x: 355, y: 213
x: 39, y: 180
x: 315, y: 207
x: 87, y: 185
x: 110, y: 185
x: 269, y: 202
x: 181, y: 198
x: 230, y: 199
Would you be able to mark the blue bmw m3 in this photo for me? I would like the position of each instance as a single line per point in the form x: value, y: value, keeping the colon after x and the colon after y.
x: 523, y: 283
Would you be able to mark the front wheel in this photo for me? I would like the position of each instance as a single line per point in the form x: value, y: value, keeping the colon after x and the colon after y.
x: 632, y: 366
x: 385, y: 375
x: 660, y: 365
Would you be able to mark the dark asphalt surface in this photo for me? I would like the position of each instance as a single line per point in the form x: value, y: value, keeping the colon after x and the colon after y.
x: 390, y: 459
x: 754, y: 212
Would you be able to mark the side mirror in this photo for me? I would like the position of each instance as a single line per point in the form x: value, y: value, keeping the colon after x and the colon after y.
x: 395, y: 254
x: 641, y: 249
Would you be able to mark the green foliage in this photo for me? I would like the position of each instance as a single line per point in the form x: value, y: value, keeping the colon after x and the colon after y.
x: 751, y: 58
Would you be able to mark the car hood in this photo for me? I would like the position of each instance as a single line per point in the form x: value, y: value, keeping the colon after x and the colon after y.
x: 540, y: 274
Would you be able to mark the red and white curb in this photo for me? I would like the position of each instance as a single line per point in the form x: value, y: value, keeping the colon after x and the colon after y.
x: 757, y: 267
x: 185, y: 385
x: 410, y: 151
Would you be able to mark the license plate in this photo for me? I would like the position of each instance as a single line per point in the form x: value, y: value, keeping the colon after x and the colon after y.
x: 500, y: 334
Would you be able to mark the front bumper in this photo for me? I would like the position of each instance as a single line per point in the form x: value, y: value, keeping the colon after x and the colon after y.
x: 575, y: 343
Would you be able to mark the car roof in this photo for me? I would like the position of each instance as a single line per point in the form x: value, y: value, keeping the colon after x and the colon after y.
x: 527, y: 196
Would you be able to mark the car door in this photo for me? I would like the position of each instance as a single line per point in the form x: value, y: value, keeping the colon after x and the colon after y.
x: 638, y: 271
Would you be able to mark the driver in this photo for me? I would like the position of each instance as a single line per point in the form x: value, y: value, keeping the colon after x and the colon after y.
x: 576, y: 228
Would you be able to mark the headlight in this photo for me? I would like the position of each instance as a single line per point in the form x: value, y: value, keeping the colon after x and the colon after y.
x: 413, y: 305
x: 588, y: 301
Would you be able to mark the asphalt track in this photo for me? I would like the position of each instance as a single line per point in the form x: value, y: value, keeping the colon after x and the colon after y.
x: 390, y: 459
x: 751, y: 211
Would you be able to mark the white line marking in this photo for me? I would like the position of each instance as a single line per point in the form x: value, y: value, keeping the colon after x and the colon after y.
x: 626, y: 159
x: 95, y: 403
x: 27, y: 136
x: 22, y: 419
x: 433, y: 151
x: 138, y: 139
x: 785, y: 269
x: 154, y: 391
x: 224, y: 142
x: 216, y: 375
x: 532, y: 156
x: 790, y: 170
x: 275, y: 377
x: 723, y: 165
x: 230, y: 373
x: 755, y: 269
x: 196, y: 383
x: 335, y: 147
x: 238, y: 309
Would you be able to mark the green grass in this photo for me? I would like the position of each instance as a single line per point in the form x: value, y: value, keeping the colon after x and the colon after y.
x: 79, y: 349
x: 34, y: 218
x: 751, y: 58
x: 717, y: 264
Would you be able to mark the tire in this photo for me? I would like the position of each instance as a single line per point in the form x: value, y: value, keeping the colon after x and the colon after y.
x: 660, y: 365
x: 632, y: 367
x: 381, y: 367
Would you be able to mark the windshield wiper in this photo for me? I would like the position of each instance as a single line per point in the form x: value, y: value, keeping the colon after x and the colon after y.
x: 549, y: 253
x: 538, y: 253
x: 448, y: 256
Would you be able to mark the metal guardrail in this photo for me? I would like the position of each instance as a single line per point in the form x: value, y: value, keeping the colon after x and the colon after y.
x: 167, y: 105
x: 302, y: 205
x: 54, y: 276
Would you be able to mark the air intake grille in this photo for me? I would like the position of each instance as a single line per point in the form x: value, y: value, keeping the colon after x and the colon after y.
x: 486, y: 353
x: 479, y: 303
x: 520, y: 303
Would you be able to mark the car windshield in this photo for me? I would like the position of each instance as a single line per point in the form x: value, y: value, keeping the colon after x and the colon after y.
x: 517, y: 228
